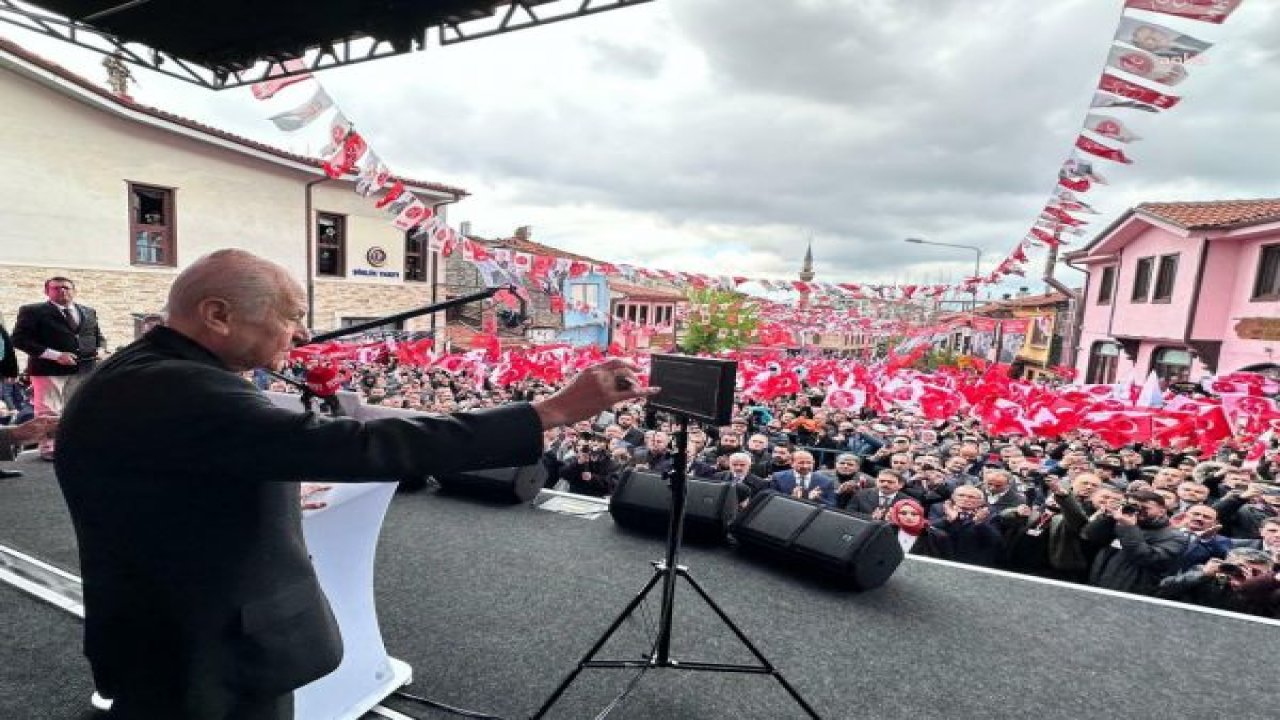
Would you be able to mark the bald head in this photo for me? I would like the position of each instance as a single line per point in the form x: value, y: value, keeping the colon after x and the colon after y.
x: 242, y: 279
x: 245, y: 309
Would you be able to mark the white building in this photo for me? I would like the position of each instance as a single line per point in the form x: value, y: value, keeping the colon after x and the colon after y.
x: 120, y: 196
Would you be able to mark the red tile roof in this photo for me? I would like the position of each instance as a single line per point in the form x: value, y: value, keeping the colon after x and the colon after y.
x: 1214, y: 214
x: 522, y: 245
x: 127, y: 102
x: 640, y: 292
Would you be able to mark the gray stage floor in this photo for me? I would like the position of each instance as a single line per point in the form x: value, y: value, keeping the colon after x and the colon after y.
x: 492, y: 605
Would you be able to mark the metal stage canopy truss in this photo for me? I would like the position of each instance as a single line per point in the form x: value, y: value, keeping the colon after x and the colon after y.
x: 232, y: 43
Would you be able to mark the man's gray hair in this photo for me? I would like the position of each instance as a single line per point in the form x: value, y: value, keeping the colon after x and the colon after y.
x: 745, y: 457
x: 249, y: 283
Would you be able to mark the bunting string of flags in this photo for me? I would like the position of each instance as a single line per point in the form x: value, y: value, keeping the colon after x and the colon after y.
x: 1147, y: 59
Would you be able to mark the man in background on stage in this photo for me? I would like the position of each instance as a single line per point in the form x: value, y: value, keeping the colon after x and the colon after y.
x: 63, y: 342
x: 200, y: 599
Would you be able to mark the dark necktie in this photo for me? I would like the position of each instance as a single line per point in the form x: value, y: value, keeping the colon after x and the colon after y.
x: 71, y: 319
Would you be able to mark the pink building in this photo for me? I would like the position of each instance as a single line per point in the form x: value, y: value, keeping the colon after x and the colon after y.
x: 1187, y: 289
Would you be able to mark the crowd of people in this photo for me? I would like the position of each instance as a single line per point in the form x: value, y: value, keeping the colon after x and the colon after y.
x: 1139, y: 518
x: 1174, y: 524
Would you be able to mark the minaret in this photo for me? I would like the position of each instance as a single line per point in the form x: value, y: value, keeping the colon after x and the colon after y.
x: 806, y: 275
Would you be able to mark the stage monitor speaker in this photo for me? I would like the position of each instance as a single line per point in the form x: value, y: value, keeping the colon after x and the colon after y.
x: 642, y: 501
x: 509, y: 484
x: 851, y: 549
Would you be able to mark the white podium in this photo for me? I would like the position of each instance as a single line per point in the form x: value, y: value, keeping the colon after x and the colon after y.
x: 342, y: 538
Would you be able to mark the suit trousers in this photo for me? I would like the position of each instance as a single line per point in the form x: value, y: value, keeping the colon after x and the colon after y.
x: 50, y: 394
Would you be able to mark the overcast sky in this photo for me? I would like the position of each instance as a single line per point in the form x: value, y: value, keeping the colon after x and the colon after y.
x: 720, y: 136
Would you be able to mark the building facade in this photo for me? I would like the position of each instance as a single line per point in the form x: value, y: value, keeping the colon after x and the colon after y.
x: 1186, y: 289
x: 121, y: 196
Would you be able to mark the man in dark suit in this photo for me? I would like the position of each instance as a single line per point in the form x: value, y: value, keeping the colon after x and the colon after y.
x: 200, y: 599
x: 877, y: 501
x: 802, y: 482
x: 745, y: 483
x: 63, y: 343
x: 8, y: 374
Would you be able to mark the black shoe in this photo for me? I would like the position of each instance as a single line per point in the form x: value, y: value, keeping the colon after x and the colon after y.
x: 7, y: 474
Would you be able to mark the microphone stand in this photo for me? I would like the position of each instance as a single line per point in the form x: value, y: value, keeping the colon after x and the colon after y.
x: 330, y: 403
x: 407, y: 314
x: 667, y: 572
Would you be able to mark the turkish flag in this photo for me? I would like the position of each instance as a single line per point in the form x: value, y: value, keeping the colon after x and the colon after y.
x: 1210, y: 11
x: 1119, y: 86
x: 1093, y: 147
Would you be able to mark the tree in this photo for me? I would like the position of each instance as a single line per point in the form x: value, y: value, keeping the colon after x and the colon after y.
x: 719, y: 320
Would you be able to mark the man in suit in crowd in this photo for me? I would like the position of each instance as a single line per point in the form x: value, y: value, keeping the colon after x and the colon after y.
x: 1000, y: 492
x: 877, y: 501
x: 745, y: 483
x: 63, y: 343
x: 802, y: 482
x: 8, y: 374
x: 200, y: 599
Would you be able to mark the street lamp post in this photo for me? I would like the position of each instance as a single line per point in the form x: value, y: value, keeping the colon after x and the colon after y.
x: 977, y: 261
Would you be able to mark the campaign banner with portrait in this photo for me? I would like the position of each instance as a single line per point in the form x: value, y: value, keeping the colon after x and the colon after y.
x: 983, y: 338
x: 1013, y: 334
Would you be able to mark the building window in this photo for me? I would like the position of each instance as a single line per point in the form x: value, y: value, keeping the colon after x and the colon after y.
x: 1266, y: 284
x: 1142, y: 279
x: 1165, y: 274
x: 1171, y: 364
x: 415, y: 260
x: 1106, y: 285
x: 1102, y: 363
x: 585, y: 294
x: 331, y: 245
x: 151, y: 226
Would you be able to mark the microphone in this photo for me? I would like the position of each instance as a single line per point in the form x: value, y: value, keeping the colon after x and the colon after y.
x: 322, y: 381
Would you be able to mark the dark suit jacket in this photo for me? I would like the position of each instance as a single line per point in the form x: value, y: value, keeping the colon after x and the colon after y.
x: 181, y: 478
x: 867, y: 501
x: 750, y: 485
x: 42, y: 327
x: 785, y: 481
x: 8, y: 358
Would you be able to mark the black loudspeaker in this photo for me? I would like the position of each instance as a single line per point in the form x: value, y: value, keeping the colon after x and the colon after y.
x: 850, y: 549
x: 510, y: 484
x: 642, y: 501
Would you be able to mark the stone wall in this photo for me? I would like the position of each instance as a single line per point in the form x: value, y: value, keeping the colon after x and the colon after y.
x: 115, y: 295
x: 336, y: 299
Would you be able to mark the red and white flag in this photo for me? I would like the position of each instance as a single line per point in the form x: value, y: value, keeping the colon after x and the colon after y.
x: 414, y: 214
x: 345, y: 157
x: 1210, y: 11
x: 374, y: 175
x: 1133, y: 91
x: 1107, y: 100
x: 339, y: 128
x: 268, y: 88
x: 1094, y: 147
x: 1165, y: 43
x: 397, y: 188
x: 1146, y: 65
x: 1110, y: 128
x: 301, y: 116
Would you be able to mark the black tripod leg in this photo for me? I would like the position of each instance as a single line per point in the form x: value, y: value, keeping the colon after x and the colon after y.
x: 622, y: 617
x: 742, y: 637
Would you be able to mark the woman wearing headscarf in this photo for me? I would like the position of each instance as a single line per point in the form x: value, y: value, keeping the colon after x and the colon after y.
x: 915, y: 535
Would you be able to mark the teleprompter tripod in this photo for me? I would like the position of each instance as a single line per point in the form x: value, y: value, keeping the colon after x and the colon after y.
x: 668, y: 571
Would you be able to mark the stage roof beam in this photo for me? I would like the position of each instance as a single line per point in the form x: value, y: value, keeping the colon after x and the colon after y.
x: 220, y: 45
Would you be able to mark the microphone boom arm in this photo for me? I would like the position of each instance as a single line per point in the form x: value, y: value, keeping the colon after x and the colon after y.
x: 407, y: 314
